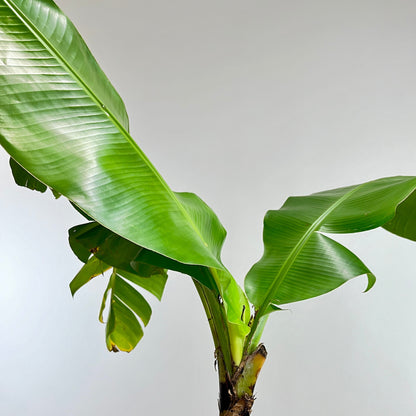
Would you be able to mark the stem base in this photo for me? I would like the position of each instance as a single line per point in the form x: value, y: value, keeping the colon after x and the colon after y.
x: 237, y: 392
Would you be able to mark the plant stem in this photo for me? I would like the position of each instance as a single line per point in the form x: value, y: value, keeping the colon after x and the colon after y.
x: 218, y: 328
x: 253, y: 333
x: 237, y: 396
x: 236, y: 384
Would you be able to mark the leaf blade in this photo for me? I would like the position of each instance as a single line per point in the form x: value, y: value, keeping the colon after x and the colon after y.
x: 94, y: 267
x: 133, y: 299
x: 123, y: 330
x: 131, y: 260
x: 289, y: 231
x: 23, y: 178
x: 66, y: 125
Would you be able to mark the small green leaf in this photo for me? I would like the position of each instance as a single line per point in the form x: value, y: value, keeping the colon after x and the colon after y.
x: 105, y: 295
x: 123, y: 330
x: 23, y: 178
x: 56, y: 194
x: 92, y: 268
x: 155, y: 284
x: 133, y: 299
x: 79, y: 247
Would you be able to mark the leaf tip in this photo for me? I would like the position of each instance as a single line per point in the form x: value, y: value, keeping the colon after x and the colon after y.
x: 55, y: 193
x: 371, y: 282
x: 114, y: 348
x: 72, y: 289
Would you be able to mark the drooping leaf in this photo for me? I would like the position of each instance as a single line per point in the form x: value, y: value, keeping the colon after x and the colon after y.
x: 134, y: 262
x: 105, y: 296
x: 133, y: 299
x: 63, y: 122
x: 94, y: 267
x: 126, y: 305
x: 299, y: 262
x: 125, y: 255
x: 123, y: 330
x: 154, y: 284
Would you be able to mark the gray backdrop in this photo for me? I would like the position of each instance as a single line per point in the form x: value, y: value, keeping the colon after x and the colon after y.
x: 245, y: 103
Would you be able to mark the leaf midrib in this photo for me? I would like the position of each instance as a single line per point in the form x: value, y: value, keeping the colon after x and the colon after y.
x: 38, y: 34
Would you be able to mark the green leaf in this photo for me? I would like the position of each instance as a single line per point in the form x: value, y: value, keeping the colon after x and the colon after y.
x: 82, y: 251
x: 403, y: 223
x: 105, y: 296
x: 133, y: 299
x: 237, y: 310
x: 236, y: 302
x: 299, y: 262
x: 23, y: 178
x: 56, y: 194
x: 125, y: 255
x: 155, y: 283
x: 123, y: 330
x: 134, y: 263
x: 62, y: 121
x: 92, y: 268
x: 135, y: 260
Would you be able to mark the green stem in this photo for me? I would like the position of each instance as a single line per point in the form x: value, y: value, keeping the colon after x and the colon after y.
x: 253, y: 332
x: 218, y: 328
x: 253, y: 339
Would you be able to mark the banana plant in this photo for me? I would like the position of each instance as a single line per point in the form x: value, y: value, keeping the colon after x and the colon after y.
x: 66, y: 130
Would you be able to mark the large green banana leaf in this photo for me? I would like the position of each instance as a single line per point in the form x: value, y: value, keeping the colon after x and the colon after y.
x: 65, y: 127
x: 300, y: 262
x: 61, y: 120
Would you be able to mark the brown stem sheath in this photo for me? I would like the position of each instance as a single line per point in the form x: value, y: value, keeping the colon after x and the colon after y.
x: 237, y: 392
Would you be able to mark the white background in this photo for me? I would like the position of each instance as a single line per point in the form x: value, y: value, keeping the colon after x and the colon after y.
x: 245, y: 103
